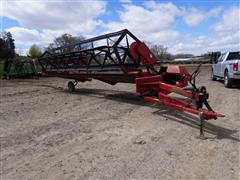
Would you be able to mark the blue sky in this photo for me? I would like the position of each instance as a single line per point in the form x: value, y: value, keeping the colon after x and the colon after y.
x: 184, y: 26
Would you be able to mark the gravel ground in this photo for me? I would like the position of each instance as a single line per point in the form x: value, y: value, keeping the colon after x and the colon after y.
x: 108, y: 132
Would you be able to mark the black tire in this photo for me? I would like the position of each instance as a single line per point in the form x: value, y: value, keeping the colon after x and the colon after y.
x: 71, y: 86
x: 213, y: 77
x: 227, y: 80
x: 35, y: 77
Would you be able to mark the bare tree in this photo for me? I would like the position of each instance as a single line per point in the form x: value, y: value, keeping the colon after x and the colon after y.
x: 160, y: 51
x: 64, y: 40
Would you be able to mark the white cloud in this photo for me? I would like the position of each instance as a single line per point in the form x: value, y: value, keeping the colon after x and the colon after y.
x: 193, y: 17
x: 168, y: 8
x: 149, y: 22
x: 225, y: 37
x: 77, y: 16
x: 126, y: 1
x: 202, y: 44
x: 27, y: 37
x: 230, y: 20
x: 42, y: 21
x: 165, y: 37
x: 148, y: 19
x: 24, y: 36
x: 226, y: 40
x: 154, y: 22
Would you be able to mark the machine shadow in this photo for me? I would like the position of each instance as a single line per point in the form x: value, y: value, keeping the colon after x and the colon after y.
x: 235, y: 85
x: 169, y: 114
x: 192, y: 121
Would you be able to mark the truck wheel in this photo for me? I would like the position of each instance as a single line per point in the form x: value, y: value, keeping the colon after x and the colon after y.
x: 227, y: 80
x: 71, y: 86
x: 213, y: 77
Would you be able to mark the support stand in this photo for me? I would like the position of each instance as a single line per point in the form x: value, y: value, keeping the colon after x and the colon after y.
x: 71, y: 86
x: 202, y: 122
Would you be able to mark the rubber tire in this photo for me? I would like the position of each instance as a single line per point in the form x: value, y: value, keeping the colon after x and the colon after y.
x: 71, y: 86
x: 35, y: 77
x: 227, y: 81
x: 212, y: 76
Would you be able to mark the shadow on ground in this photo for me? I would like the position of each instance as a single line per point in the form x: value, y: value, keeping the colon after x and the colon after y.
x: 169, y: 114
x: 192, y: 121
x: 235, y: 85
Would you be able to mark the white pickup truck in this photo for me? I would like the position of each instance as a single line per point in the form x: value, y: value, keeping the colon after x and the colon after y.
x: 227, y: 67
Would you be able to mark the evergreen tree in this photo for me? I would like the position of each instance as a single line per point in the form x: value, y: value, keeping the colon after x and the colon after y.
x: 2, y: 48
x: 7, y: 46
x: 10, y: 42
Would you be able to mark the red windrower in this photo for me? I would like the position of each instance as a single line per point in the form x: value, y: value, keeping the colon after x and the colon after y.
x: 122, y: 57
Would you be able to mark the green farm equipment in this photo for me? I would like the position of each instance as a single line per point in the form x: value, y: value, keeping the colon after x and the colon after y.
x: 19, y: 69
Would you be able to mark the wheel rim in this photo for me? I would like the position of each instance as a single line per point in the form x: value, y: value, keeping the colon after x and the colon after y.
x: 226, y: 79
x: 212, y: 76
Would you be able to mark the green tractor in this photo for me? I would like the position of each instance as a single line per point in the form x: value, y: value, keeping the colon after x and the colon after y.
x: 20, y: 69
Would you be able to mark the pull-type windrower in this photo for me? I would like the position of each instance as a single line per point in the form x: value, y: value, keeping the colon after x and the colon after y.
x: 122, y: 57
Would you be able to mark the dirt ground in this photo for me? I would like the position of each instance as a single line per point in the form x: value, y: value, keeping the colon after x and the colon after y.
x: 108, y: 132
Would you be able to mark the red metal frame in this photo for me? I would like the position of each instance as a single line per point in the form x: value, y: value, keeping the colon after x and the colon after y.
x: 162, y: 91
x: 161, y: 86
